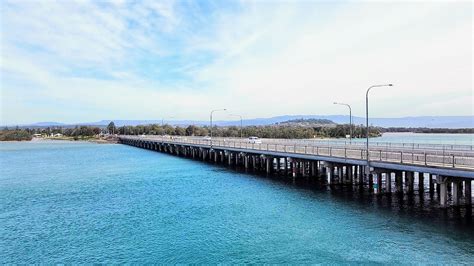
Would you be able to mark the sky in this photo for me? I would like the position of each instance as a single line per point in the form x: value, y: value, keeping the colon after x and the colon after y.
x: 83, y: 61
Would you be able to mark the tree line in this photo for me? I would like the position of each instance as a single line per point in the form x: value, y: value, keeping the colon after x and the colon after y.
x: 272, y: 131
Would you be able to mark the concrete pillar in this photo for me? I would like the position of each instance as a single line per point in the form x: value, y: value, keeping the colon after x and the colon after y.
x: 254, y: 162
x: 327, y: 174
x: 293, y: 168
x: 371, y: 182
x: 457, y: 193
x: 268, y: 163
x: 303, y: 168
x: 443, y: 193
x: 215, y: 156
x: 379, y: 182
x: 332, y: 176
x: 246, y: 161
x: 431, y: 182
x: 285, y: 163
x: 361, y: 175
x: 340, y: 174
x: 318, y: 169
x: 410, y: 181
x: 467, y: 192
x: 351, y: 174
x: 229, y: 158
x: 388, y: 180
x: 421, y: 182
x: 236, y: 159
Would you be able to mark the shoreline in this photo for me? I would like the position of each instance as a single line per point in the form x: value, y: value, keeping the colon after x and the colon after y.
x: 91, y: 140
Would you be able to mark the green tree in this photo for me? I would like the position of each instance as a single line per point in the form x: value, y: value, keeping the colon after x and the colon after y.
x: 111, y: 127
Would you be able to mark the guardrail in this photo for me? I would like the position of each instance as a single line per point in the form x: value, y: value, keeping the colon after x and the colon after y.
x: 375, y: 144
x: 428, y: 158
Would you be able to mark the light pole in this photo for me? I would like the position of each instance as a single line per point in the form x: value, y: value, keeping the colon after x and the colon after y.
x: 216, y: 110
x: 367, y: 170
x: 240, y: 124
x: 350, y: 119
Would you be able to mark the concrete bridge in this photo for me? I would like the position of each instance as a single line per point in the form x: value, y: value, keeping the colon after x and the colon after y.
x: 444, y: 171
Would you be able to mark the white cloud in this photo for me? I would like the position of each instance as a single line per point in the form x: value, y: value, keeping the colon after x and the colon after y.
x: 261, y: 59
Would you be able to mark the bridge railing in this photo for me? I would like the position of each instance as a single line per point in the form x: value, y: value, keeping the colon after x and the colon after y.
x: 427, y: 158
x: 356, y: 143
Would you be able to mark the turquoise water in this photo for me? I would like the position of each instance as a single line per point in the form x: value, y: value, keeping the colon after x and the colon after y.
x: 422, y: 138
x: 65, y: 202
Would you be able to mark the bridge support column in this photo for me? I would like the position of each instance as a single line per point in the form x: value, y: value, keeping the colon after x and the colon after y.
x: 431, y: 183
x: 388, y: 182
x: 313, y: 168
x: 236, y: 159
x: 303, y: 169
x: 443, y: 191
x: 361, y: 175
x: 421, y: 182
x: 340, y: 174
x: 410, y: 180
x: 457, y: 192
x: 268, y: 163
x: 246, y: 161
x: 467, y: 192
x: 293, y: 168
x: 371, y: 182
x: 379, y: 182
x: 332, y: 176
x: 229, y: 158
x: 351, y: 174
x: 254, y: 162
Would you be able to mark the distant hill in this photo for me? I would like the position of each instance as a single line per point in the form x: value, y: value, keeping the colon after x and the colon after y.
x: 417, y: 121
x: 311, y: 122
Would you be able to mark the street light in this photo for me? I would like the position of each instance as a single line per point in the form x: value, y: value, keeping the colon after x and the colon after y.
x: 216, y: 110
x: 350, y: 119
x: 240, y: 123
x: 367, y: 171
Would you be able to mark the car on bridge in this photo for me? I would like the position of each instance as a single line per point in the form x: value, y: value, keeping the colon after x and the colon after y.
x: 254, y: 140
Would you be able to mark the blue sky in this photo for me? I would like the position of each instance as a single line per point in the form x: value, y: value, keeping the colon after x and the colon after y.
x: 82, y: 61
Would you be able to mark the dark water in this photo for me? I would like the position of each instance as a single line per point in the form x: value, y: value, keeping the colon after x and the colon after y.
x: 86, y: 203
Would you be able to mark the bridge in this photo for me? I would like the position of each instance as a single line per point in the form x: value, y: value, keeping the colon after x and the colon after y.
x: 445, y: 171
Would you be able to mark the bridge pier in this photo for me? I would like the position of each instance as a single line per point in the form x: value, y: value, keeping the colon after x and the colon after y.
x: 468, y: 191
x: 431, y: 184
x: 371, y: 182
x: 410, y: 182
x: 421, y: 182
x: 268, y: 166
x: 443, y: 191
x: 360, y: 173
x: 388, y: 180
x: 457, y: 192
